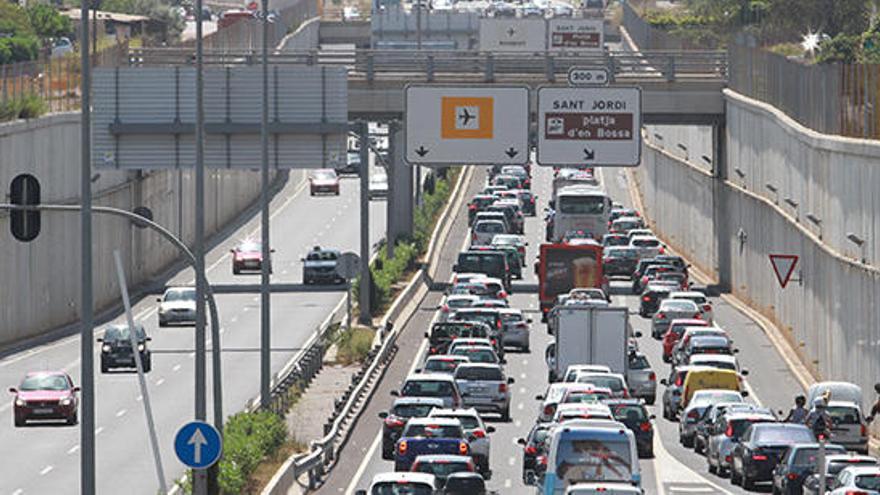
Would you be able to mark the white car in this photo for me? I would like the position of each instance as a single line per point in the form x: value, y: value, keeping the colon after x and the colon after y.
x: 388, y: 483
x: 857, y: 479
x: 572, y: 371
x: 477, y: 434
x: 613, y: 381
x: 453, y: 302
x: 516, y: 329
x: 603, y: 488
x: 177, y: 305
x: 648, y: 246
x: 700, y: 300
x: 485, y: 230
x: 581, y: 410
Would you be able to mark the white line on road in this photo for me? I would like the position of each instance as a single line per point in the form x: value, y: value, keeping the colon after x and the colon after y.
x: 98, y: 430
x: 139, y: 398
x: 176, y: 367
x: 159, y: 382
x: 120, y: 413
x: 46, y: 470
x: 18, y: 492
x: 511, y: 461
x: 73, y: 449
x: 508, y: 483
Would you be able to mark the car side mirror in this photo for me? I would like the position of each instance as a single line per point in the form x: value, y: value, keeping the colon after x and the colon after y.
x: 100, y: 339
x: 539, y: 397
x: 76, y: 389
x: 529, y: 320
x: 395, y: 393
x: 502, y: 361
x: 653, y: 416
x: 13, y: 390
x: 744, y: 393
x: 637, y: 334
x: 272, y: 250
x: 232, y: 250
x: 510, y: 380
x: 383, y: 414
x: 663, y: 381
x: 360, y: 492
x: 158, y: 299
x: 744, y: 372
x: 521, y: 441
x: 455, y: 268
x: 149, y: 339
x: 736, y: 351
x: 427, y: 335
x: 418, y: 370
x: 490, y: 429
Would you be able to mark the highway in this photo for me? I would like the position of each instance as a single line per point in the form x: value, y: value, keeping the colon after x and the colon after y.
x: 674, y: 470
x: 46, y: 457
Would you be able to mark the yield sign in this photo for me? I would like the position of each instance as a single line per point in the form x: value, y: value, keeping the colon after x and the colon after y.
x: 783, y: 266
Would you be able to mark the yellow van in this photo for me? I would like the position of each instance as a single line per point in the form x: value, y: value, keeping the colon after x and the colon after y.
x: 709, y: 378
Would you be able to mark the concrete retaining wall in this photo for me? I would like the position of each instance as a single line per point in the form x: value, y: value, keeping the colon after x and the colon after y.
x: 304, y: 39
x: 40, y: 280
x: 832, y: 318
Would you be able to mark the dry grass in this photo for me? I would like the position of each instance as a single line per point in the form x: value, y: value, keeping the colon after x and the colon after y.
x: 269, y: 466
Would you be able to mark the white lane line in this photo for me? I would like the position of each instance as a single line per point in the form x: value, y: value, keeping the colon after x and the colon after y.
x: 98, y: 430
x: 511, y: 461
x: 522, y: 390
x: 159, y: 382
x: 522, y: 376
x: 46, y: 470
x: 139, y: 398
x: 120, y: 413
x: 520, y: 406
x: 233, y: 319
x: 18, y: 492
x: 508, y: 483
x: 177, y: 367
x: 73, y: 449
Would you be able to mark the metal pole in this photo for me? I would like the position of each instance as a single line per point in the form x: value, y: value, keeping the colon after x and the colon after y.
x: 821, y: 464
x: 265, y: 329
x: 142, y: 382
x: 418, y: 185
x: 200, y: 476
x: 364, y: 292
x: 418, y: 5
x: 87, y: 428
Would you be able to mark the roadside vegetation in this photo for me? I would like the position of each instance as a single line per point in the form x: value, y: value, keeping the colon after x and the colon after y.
x: 26, y: 32
x: 353, y: 346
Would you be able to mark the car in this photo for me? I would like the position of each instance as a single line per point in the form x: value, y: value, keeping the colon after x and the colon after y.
x: 45, y: 395
x: 512, y: 214
x: 700, y: 300
x: 514, y: 240
x: 554, y: 396
x: 619, y: 261
x: 436, y: 385
x: 623, y: 225
x: 857, y: 480
x: 319, y: 266
x: 484, y: 231
x: 651, y: 298
x: 708, y: 344
x: 453, y: 302
x: 415, y: 483
x: 673, y: 334
x: 534, y: 445
x: 434, y: 436
x: 61, y: 46
x: 798, y: 462
x: 761, y: 447
x: 634, y: 414
x: 613, y: 381
x: 478, y: 204
x: 841, y: 391
x: 722, y: 431
x: 572, y: 411
x: 516, y: 329
x: 701, y: 378
x: 489, y: 316
x: 593, y: 394
x: 520, y: 172
x: 248, y: 256
x: 672, y: 309
x: 494, y: 214
x: 648, y: 245
x: 464, y: 482
x: 401, y: 411
x: 477, y: 434
x: 528, y: 200
x: 491, y: 189
x: 618, y: 212
x: 323, y: 180
x: 701, y: 401
x: 491, y: 263
x: 442, y: 363
x: 443, y: 333
x: 850, y: 428
x: 510, y: 181
x: 378, y: 186
x: 116, y: 351
x: 691, y: 332
x: 514, y: 259
x: 442, y: 466
x: 615, y: 240
x: 477, y: 354
x: 645, y: 274
x: 834, y: 465
x: 177, y: 305
x: 674, y: 387
x: 572, y: 370
x: 641, y: 378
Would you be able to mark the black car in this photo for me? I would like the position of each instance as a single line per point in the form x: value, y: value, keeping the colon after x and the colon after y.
x: 479, y: 203
x: 492, y: 263
x: 634, y: 414
x: 760, y: 449
x: 352, y: 164
x: 798, y: 462
x: 116, y: 351
x: 464, y: 483
x: 651, y: 298
x: 677, y: 261
x: 529, y: 200
x: 619, y: 261
x: 401, y: 411
x: 443, y: 333
x: 319, y: 266
x: 533, y: 446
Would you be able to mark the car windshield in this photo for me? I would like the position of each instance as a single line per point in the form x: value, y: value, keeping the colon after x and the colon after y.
x: 433, y: 431
x: 511, y: 317
x: 440, y: 365
x: 614, y: 383
x: 740, y: 425
x: 807, y: 456
x: 463, y: 302
x: 249, y: 247
x: 44, y: 382
x: 428, y: 388
x: 489, y: 227
x: 844, y: 415
x: 481, y: 263
x: 322, y: 256
x: 323, y: 175
x: 784, y: 436
x: 479, y: 373
x: 487, y: 318
x: 629, y: 413
x: 476, y: 355
x: 838, y: 466
x: 645, y: 242
x: 467, y: 422
x: 582, y: 460
x: 582, y: 205
x: 121, y: 333
x: 615, y: 240
x: 180, y: 295
x: 584, y: 397
x: 412, y: 410
x: 397, y: 488
x: 868, y: 481
x: 678, y: 306
x: 621, y: 252
x: 442, y: 469
x: 638, y: 362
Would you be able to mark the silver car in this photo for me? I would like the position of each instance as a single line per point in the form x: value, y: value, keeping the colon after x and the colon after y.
x: 672, y: 309
x: 849, y: 427
x: 612, y: 381
x: 641, y: 378
x: 476, y: 432
x: 484, y: 231
x: 724, y: 433
x: 453, y: 302
x: 177, y: 305
x: 698, y: 404
x: 701, y: 301
x: 516, y: 329
x: 485, y: 388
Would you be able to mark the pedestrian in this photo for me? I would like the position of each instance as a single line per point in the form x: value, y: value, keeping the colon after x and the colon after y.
x: 875, y: 409
x: 798, y: 413
x: 818, y: 420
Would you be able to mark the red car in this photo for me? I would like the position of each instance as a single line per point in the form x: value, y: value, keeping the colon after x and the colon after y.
x: 45, y: 395
x: 674, y: 333
x: 324, y: 181
x: 248, y: 256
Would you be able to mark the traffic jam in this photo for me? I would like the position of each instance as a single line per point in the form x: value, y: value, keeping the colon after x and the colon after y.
x: 595, y: 424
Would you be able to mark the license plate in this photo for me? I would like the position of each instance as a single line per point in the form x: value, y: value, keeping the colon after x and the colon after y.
x: 43, y: 410
x: 433, y: 446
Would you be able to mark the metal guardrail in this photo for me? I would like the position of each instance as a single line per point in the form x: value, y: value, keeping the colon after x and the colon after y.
x: 432, y: 65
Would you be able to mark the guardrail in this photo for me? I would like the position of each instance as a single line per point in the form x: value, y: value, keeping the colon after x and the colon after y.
x: 432, y: 65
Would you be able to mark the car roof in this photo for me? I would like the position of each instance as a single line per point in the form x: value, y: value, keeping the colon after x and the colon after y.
x: 429, y: 377
x: 442, y: 458
x: 708, y: 340
x: 623, y: 401
x: 46, y: 373
x: 859, y: 470
x: 446, y: 357
x: 670, y: 302
x: 394, y: 476
x: 417, y: 400
x: 434, y: 421
x: 843, y: 403
x: 471, y: 412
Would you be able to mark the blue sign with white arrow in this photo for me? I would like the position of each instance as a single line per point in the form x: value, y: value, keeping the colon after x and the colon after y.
x: 198, y: 444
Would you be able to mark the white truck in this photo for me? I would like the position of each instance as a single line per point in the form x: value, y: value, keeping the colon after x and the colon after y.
x: 588, y: 335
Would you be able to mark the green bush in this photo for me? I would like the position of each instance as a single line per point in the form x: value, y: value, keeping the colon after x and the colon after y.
x: 354, y: 345
x: 248, y: 438
x: 18, y: 48
x: 27, y: 107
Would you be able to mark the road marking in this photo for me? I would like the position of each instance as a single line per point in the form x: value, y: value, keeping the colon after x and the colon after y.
x: 522, y: 390
x: 517, y: 423
x: 233, y: 319
x: 98, y: 430
x: 139, y: 398
x: 73, y: 449
x: 176, y: 367
x: 522, y: 376
x: 511, y: 461
x: 363, y: 467
x: 120, y: 413
x: 159, y: 382
x: 507, y: 483
x: 18, y: 492
x: 520, y: 406
x: 46, y: 470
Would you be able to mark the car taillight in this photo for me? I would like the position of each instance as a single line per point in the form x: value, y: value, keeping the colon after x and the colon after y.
x: 498, y: 324
x: 479, y: 434
x: 864, y: 431
x: 652, y: 377
x: 759, y: 457
x: 678, y: 381
x: 502, y: 388
x: 502, y: 295
x: 792, y: 476
x: 462, y: 448
x: 646, y: 298
x: 855, y: 492
x: 445, y: 308
x: 472, y: 207
x: 474, y: 236
x: 393, y: 422
x: 707, y: 307
x: 646, y: 426
x: 729, y: 431
x: 662, y: 251
x: 698, y: 316
x: 401, y: 447
x: 531, y: 450
x: 661, y: 316
x: 542, y: 460
x: 727, y: 459
x: 549, y: 410
x: 693, y: 414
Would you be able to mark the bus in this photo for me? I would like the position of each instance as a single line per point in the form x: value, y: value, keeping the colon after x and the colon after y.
x: 580, y: 207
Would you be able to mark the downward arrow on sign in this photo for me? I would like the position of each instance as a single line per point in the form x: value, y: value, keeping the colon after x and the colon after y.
x: 589, y: 154
x: 197, y: 440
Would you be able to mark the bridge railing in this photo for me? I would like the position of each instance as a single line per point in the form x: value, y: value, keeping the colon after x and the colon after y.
x: 470, y: 66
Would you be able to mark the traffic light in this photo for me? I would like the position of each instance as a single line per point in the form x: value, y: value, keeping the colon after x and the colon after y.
x: 24, y: 190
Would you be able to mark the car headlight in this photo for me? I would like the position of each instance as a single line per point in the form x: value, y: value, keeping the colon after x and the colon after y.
x: 141, y: 347
x: 105, y: 347
x: 19, y: 403
x: 65, y: 402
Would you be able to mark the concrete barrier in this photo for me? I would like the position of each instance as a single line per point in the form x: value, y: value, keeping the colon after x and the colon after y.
x: 40, y: 280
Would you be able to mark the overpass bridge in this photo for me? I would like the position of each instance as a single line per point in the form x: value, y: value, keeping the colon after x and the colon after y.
x: 678, y: 87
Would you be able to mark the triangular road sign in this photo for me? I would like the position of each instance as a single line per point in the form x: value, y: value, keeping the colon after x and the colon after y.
x: 783, y: 266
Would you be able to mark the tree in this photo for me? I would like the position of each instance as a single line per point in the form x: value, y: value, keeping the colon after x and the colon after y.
x: 47, y: 22
x: 165, y: 25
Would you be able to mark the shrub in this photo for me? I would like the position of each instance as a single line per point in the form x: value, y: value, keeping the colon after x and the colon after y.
x: 354, y: 345
x: 27, y: 107
x: 18, y: 48
x: 247, y: 439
